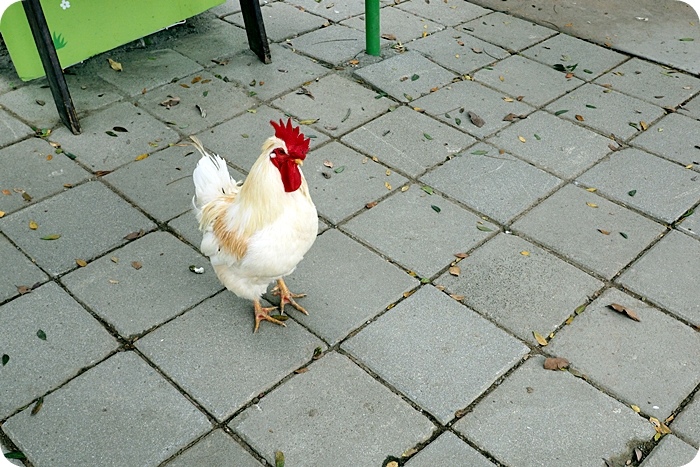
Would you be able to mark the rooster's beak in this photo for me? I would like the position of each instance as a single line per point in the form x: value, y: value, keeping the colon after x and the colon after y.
x: 299, y: 162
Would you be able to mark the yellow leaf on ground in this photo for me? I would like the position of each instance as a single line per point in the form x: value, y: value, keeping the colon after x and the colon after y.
x: 114, y: 65
x: 522, y: 140
x: 141, y: 157
x: 538, y: 337
x: 525, y: 253
x: 387, y: 185
x: 404, y: 188
x: 455, y: 270
x: 635, y: 408
x: 2, y: 213
x: 33, y: 225
x: 81, y: 262
x: 592, y: 205
x: 591, y: 190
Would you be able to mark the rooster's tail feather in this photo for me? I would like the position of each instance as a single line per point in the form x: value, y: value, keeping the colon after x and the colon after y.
x: 211, y: 177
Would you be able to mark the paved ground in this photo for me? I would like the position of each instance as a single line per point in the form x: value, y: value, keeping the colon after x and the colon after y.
x: 473, y: 202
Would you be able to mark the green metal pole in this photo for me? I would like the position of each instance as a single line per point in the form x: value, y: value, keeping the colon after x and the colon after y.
x: 372, y: 27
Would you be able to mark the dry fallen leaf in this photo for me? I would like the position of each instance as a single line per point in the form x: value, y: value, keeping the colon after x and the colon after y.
x: 457, y: 297
x: 475, y: 119
x: 522, y: 140
x: 455, y: 270
x: 23, y: 289
x: 635, y: 408
x: 371, y: 205
x: 171, y: 101
x: 301, y: 370
x: 578, y: 117
x: 591, y: 190
x: 604, y: 232
x: 33, y: 225
x: 624, y: 310
x: 387, y: 185
x: 81, y: 262
x: 525, y: 253
x: 555, y: 363
x: 141, y: 157
x: 461, y: 255
x: 136, y: 265
x: 114, y: 65
x: 538, y: 337
x: 328, y: 164
x: 591, y: 205
x: 389, y: 37
x: 133, y: 235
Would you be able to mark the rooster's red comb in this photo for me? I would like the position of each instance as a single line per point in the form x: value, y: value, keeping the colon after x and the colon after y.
x: 297, y: 143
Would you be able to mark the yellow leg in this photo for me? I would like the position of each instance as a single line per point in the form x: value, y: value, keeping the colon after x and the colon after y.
x: 288, y: 297
x: 263, y: 314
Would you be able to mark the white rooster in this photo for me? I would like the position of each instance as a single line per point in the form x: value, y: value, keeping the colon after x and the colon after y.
x: 257, y: 232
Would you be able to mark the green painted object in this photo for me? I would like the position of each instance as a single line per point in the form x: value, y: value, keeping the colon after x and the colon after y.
x: 83, y: 28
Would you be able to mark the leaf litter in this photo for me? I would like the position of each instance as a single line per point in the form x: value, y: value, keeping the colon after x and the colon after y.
x: 625, y: 311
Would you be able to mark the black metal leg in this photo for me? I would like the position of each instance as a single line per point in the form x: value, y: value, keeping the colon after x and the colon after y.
x: 255, y: 28
x: 52, y: 67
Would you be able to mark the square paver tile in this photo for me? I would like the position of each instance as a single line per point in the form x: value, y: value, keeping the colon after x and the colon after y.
x: 408, y: 229
x: 691, y: 224
x: 566, y: 223
x: 336, y: 193
x: 439, y: 367
x: 322, y: 416
x: 283, y: 21
x: 333, y: 10
x: 336, y: 112
x: 11, y: 129
x: 666, y: 275
x: 452, y: 103
x: 671, y: 138
x: 520, y: 76
x: 27, y: 167
x: 100, y: 150
x: 523, y: 293
x: 398, y: 23
x: 553, y: 144
x: 121, y: 402
x: 619, y: 360
x: 692, y: 108
x: 74, y: 340
x: 160, y: 283
x: 509, y: 422
x: 652, y: 82
x: 24, y: 272
x: 322, y: 44
x: 337, y: 302
x: 506, y: 31
x: 686, y: 422
x: 405, y: 77
x: 202, y: 102
x: 216, y: 336
x: 146, y: 69
x: 498, y: 185
x: 214, y: 450
x: 671, y: 451
x: 448, y: 449
x: 605, y: 110
x: 457, y: 51
x: 585, y: 60
x: 288, y: 71
x: 450, y: 13
x: 213, y: 40
x: 661, y: 189
x: 86, y: 228
x: 408, y: 140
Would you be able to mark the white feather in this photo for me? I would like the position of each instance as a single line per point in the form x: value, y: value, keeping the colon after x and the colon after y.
x: 211, y: 177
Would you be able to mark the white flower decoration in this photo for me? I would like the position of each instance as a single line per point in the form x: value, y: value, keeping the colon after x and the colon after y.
x: 65, y: 4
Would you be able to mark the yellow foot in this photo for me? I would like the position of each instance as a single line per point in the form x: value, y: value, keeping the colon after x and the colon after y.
x: 263, y: 314
x: 288, y: 297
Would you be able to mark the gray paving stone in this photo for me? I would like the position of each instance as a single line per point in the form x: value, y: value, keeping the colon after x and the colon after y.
x: 619, y: 360
x: 163, y: 284
x: 510, y: 421
x: 240, y: 139
x: 283, y: 21
x: 185, y: 225
x: 215, y: 450
x: 691, y: 224
x: 670, y: 138
x: 589, y: 60
x: 146, y: 69
x: 494, y: 184
x: 651, y: 82
x: 121, y: 402
x: 333, y: 10
x: 566, y: 224
x: 74, y: 340
x: 666, y: 276
x: 25, y: 167
x: 336, y: 304
x: 407, y: 140
x: 437, y: 368
x: 456, y: 51
x: 663, y: 189
x: 397, y: 76
x: 85, y: 233
x: 87, y: 91
x: 448, y: 449
x: 24, y: 272
x: 337, y: 112
x: 323, y: 416
x: 100, y: 151
x: 218, y: 100
x: 336, y: 194
x: 398, y: 23
x: 407, y: 229
x: 11, y: 129
x: 217, y: 336
x: 686, y: 423
x: 287, y: 72
x: 451, y: 104
x: 226, y: 8
x: 560, y: 147
x: 214, y: 41
x: 322, y: 44
x: 506, y: 31
x: 520, y: 76
x: 449, y: 13
x: 523, y: 293
x: 605, y: 110
x: 670, y: 451
x: 692, y: 108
